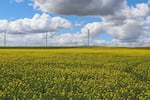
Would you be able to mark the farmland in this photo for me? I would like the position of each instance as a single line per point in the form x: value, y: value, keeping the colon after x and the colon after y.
x: 87, y: 73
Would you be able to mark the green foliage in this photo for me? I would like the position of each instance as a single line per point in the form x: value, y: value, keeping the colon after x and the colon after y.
x: 75, y: 73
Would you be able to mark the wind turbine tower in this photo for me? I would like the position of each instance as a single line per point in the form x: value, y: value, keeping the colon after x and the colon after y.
x: 88, y: 37
x: 46, y: 39
x: 5, y: 39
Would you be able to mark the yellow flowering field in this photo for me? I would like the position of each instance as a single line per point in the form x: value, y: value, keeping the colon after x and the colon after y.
x: 82, y: 73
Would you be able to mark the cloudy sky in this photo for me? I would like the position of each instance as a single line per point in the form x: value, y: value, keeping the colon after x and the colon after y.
x: 67, y: 22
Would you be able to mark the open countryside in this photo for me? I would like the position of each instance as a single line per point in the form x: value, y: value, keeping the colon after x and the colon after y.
x: 75, y: 50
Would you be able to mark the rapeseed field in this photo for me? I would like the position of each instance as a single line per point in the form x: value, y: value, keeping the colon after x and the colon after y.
x: 94, y: 73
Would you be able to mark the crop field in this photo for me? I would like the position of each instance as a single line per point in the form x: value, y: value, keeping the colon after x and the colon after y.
x: 81, y: 73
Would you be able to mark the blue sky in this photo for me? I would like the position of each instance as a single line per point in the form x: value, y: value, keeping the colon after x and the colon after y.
x: 134, y: 2
x: 12, y: 11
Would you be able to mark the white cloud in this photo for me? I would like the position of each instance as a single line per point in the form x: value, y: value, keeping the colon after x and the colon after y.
x: 95, y: 29
x: 3, y: 25
x: 19, y: 1
x: 129, y: 31
x: 78, y: 24
x: 140, y: 10
x: 148, y: 2
x: 80, y: 7
x: 37, y: 24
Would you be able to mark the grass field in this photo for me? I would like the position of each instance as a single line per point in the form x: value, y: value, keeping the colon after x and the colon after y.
x: 78, y: 73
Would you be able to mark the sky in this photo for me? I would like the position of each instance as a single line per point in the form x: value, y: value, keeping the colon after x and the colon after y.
x: 67, y: 22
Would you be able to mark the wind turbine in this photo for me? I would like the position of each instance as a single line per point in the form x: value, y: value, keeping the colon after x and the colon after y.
x: 88, y: 40
x: 5, y: 39
x: 88, y: 37
x: 46, y: 39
